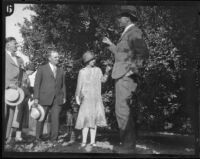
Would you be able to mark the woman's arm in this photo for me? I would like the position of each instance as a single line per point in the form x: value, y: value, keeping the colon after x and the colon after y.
x: 104, y: 77
x: 78, y: 88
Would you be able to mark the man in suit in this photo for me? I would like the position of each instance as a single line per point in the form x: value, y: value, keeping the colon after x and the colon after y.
x: 129, y: 53
x: 14, y: 73
x: 49, y: 91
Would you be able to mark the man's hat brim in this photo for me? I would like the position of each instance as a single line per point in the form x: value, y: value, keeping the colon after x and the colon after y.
x: 42, y: 113
x: 18, y: 101
x: 41, y: 110
x: 129, y: 14
x: 86, y: 62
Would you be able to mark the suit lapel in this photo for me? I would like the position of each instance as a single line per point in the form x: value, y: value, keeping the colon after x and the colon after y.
x: 131, y: 28
x: 57, y: 73
x: 50, y: 71
x: 10, y: 60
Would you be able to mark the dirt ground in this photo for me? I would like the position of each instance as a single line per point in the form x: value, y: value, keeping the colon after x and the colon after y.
x: 147, y: 143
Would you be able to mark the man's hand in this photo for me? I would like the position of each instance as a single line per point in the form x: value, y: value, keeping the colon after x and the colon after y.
x: 35, y: 102
x: 139, y: 63
x: 107, y: 41
x: 108, y: 68
x: 13, y: 86
x: 133, y: 71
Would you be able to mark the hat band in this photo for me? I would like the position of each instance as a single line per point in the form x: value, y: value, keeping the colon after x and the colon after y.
x: 14, y: 100
x: 90, y: 60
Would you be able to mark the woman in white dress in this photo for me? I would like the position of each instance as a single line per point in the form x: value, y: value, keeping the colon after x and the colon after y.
x: 88, y: 95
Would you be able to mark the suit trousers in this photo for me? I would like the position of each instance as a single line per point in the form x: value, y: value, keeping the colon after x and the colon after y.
x: 54, y: 110
x: 11, y: 119
x: 124, y: 88
x: 10, y: 111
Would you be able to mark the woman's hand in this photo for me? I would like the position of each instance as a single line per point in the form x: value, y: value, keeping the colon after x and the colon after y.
x: 108, y: 68
x: 77, y: 100
x: 64, y: 100
x: 107, y: 41
x: 13, y: 86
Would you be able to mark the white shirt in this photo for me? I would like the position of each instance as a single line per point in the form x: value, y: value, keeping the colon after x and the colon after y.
x: 32, y: 78
x: 53, y: 68
x: 24, y: 57
x: 12, y: 57
x: 127, y: 27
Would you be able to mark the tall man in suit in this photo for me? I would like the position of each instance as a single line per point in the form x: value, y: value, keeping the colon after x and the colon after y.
x: 13, y: 73
x: 49, y: 91
x: 129, y: 53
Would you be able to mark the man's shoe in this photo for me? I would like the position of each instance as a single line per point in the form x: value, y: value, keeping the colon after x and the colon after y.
x: 38, y: 140
x: 10, y: 141
x: 18, y: 139
x: 44, y: 138
x: 7, y: 141
x: 83, y: 144
x: 93, y: 144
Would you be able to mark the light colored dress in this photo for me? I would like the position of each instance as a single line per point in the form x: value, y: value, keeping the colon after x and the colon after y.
x: 91, y: 112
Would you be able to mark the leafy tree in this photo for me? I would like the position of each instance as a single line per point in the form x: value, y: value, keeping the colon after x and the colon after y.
x: 73, y: 29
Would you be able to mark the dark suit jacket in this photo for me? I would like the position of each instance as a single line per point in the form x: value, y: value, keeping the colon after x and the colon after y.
x: 12, y: 70
x: 46, y: 87
x: 130, y: 49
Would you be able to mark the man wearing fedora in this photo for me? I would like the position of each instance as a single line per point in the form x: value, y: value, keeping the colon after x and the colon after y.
x: 50, y: 93
x: 130, y: 53
x: 13, y: 94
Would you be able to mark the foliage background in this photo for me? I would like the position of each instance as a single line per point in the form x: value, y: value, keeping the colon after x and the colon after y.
x: 165, y: 97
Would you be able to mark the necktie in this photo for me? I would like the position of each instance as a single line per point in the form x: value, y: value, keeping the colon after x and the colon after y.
x: 54, y: 71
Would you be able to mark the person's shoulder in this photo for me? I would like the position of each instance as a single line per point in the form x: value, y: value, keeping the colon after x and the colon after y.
x: 43, y: 66
x: 61, y: 68
x: 20, y: 59
x: 82, y: 70
x: 136, y: 32
x: 135, y: 28
x: 97, y: 68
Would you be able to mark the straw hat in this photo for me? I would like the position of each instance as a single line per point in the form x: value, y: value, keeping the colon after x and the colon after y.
x: 13, y: 96
x: 37, y: 112
x: 88, y: 56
